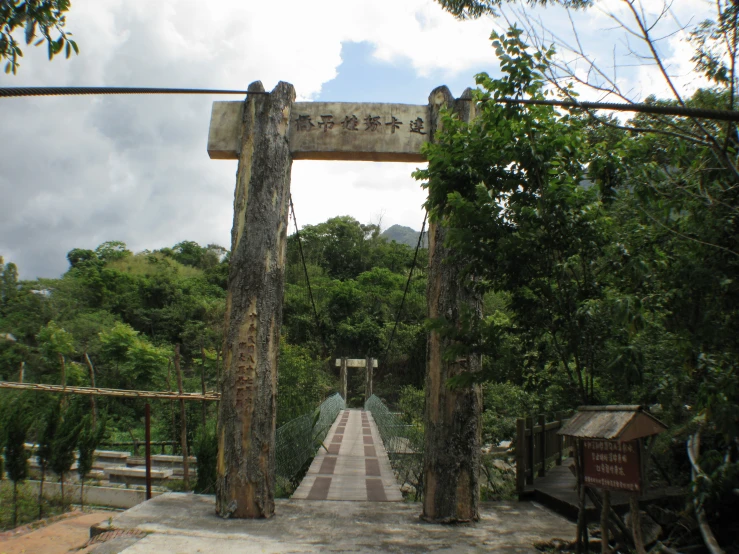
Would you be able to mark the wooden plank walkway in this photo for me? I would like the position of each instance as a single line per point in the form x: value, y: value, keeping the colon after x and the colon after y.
x: 356, y: 466
x: 558, y: 491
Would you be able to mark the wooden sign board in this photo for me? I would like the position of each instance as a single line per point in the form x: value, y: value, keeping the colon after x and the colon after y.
x: 333, y: 131
x: 612, y: 465
x: 361, y: 362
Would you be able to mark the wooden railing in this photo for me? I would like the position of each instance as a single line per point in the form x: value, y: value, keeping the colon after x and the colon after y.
x: 537, y: 445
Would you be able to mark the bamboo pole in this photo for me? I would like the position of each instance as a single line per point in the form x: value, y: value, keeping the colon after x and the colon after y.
x: 120, y: 393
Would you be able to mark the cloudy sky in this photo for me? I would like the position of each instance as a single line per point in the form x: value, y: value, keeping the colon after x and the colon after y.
x: 78, y: 171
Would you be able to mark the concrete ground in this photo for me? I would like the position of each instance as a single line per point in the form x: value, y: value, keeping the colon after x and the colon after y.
x: 68, y: 533
x: 186, y: 523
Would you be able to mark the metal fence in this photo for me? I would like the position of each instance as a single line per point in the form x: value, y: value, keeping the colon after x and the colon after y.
x: 299, y: 439
x: 403, y: 444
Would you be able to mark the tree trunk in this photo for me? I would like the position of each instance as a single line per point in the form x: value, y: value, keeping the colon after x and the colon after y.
x: 41, y: 494
x: 22, y: 372
x: 202, y: 382
x: 93, y: 401
x: 183, y: 420
x: 82, y: 494
x: 452, y: 418
x: 15, y: 503
x: 247, y: 410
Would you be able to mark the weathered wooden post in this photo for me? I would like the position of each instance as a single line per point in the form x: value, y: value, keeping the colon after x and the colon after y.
x: 452, y: 420
x: 343, y: 379
x: 530, y: 452
x: 520, y: 455
x: 559, y: 438
x: 369, y: 364
x: 543, y: 445
x: 247, y: 411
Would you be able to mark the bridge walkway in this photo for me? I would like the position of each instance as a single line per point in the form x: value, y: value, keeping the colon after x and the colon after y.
x: 356, y: 466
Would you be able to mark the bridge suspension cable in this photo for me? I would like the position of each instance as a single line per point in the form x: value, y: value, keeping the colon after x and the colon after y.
x: 307, y: 278
x: 407, y: 286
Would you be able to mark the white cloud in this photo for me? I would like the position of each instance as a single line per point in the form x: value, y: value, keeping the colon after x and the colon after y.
x: 79, y: 171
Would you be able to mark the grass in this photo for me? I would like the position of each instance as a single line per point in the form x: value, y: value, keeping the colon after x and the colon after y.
x: 27, y: 505
x: 153, y: 264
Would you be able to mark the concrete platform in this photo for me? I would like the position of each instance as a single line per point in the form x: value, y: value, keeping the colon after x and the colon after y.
x: 186, y: 523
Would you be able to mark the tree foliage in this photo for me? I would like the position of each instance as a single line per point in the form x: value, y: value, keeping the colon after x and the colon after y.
x: 606, y: 251
x: 30, y: 18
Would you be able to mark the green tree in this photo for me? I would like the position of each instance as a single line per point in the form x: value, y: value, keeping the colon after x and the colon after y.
x: 90, y: 435
x: 46, y: 441
x: 112, y: 250
x: 29, y: 17
x: 16, y: 458
x: 472, y: 9
x: 206, y: 451
x: 509, y: 185
x: 8, y: 283
x: 56, y: 343
x: 65, y: 442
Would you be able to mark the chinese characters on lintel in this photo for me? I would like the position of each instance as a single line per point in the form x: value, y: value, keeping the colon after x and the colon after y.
x: 372, y: 123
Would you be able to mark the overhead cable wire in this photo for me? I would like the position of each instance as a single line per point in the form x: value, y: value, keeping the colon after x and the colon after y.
x: 7, y: 92
x: 682, y: 111
x: 407, y: 286
x: 720, y: 115
x: 305, y: 270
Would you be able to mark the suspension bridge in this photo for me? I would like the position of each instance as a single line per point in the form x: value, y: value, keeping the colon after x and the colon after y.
x: 356, y: 454
x: 350, y: 459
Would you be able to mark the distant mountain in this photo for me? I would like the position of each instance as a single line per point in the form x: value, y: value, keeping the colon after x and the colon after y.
x: 404, y: 235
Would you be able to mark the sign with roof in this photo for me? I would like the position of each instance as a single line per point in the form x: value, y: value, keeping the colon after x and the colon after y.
x: 611, y: 450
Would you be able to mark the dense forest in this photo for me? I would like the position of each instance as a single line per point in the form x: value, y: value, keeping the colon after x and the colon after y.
x: 123, y: 313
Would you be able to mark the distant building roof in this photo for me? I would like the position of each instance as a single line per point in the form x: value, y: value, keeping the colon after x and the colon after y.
x: 622, y: 423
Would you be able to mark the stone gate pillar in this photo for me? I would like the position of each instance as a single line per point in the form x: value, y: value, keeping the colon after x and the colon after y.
x: 452, y: 419
x: 247, y: 412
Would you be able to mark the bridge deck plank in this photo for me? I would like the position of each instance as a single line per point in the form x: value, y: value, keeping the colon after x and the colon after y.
x: 358, y: 470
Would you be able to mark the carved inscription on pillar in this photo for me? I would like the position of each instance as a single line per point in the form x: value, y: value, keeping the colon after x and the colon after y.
x: 247, y: 363
x: 336, y: 131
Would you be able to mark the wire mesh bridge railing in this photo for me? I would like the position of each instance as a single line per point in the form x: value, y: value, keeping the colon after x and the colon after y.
x: 298, y: 440
x: 403, y: 444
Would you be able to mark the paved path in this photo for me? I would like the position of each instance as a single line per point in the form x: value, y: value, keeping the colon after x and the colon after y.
x: 60, y: 537
x: 187, y: 524
x: 356, y: 466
